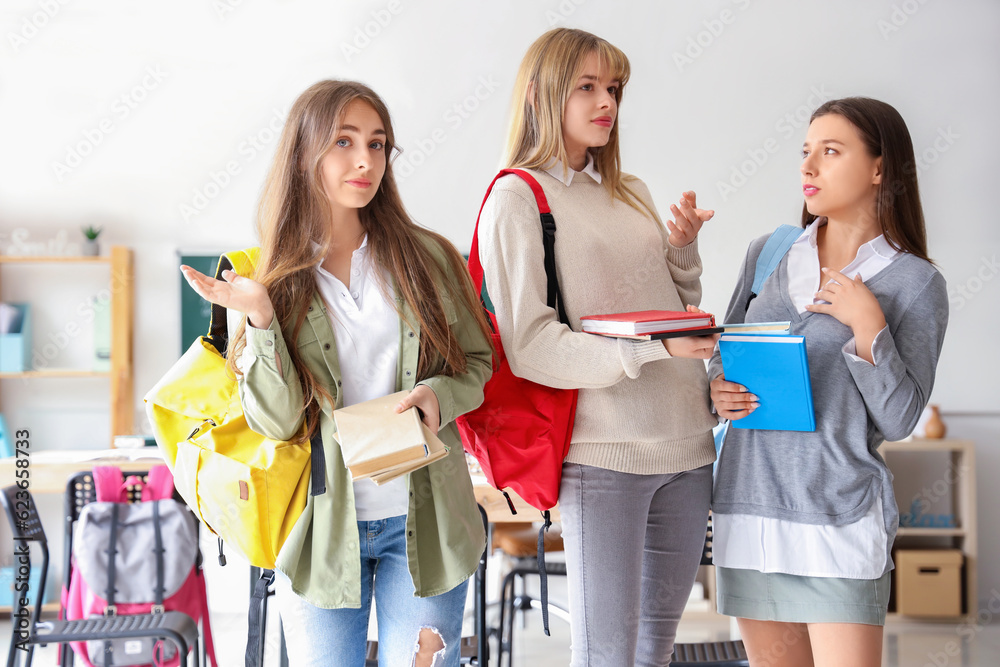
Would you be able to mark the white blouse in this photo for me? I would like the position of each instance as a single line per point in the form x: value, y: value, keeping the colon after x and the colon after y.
x: 366, y: 328
x: 855, y: 551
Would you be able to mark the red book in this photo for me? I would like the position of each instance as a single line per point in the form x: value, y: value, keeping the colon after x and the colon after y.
x: 646, y: 322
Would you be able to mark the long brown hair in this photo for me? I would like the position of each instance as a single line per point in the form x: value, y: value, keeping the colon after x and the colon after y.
x: 293, y: 222
x: 897, y: 202
x: 545, y: 80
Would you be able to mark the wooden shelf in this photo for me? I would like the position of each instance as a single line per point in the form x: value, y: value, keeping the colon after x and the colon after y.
x: 120, y: 375
x: 908, y: 531
x: 961, y: 489
x: 47, y: 608
x: 55, y: 373
x: 47, y: 259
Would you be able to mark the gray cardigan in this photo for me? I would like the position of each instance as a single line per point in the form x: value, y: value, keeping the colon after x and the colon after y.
x: 833, y: 475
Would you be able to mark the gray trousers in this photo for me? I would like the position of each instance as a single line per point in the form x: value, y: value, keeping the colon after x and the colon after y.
x: 633, y: 544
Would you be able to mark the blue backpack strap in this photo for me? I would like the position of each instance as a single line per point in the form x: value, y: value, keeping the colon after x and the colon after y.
x: 770, y: 256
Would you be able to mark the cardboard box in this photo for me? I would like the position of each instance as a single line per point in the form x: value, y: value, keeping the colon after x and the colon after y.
x: 929, y: 582
x: 15, y: 347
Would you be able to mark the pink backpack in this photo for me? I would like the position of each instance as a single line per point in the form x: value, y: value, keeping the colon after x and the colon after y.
x: 152, y: 565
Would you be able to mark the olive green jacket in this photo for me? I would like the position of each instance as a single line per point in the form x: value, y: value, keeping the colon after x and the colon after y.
x: 444, y: 530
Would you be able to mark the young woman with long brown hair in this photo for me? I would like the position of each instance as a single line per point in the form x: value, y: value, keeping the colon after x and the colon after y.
x: 637, y: 478
x: 804, y: 522
x: 351, y: 301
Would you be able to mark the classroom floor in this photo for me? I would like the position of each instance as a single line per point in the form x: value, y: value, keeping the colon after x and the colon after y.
x: 907, y: 644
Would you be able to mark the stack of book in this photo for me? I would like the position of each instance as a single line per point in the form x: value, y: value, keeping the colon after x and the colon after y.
x: 380, y: 444
x: 771, y: 364
x: 651, y: 324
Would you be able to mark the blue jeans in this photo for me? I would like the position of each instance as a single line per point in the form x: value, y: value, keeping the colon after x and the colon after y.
x: 324, y: 637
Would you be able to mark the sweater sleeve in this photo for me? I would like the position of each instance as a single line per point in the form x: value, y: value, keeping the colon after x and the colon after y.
x: 539, y: 347
x: 897, y: 387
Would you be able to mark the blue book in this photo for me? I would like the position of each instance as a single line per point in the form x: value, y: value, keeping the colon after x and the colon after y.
x: 776, y: 369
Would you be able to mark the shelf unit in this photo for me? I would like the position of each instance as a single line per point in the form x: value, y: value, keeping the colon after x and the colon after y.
x: 960, y: 486
x: 120, y: 261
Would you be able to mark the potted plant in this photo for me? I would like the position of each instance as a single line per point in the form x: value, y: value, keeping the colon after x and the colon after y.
x: 91, y: 248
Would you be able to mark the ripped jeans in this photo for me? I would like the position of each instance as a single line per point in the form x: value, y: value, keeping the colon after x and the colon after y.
x: 324, y: 637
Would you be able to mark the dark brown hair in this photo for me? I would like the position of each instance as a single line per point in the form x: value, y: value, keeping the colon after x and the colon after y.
x: 293, y: 222
x: 897, y: 203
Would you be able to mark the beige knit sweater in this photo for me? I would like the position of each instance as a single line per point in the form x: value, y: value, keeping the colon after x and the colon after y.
x: 640, y: 410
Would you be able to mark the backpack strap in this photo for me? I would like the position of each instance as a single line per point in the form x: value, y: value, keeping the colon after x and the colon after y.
x: 775, y: 248
x: 159, y: 484
x: 108, y: 484
x: 160, y: 588
x: 548, y: 223
x: 554, y: 300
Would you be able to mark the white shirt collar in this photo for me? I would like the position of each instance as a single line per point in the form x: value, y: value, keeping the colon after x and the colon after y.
x: 877, y: 246
x: 554, y: 168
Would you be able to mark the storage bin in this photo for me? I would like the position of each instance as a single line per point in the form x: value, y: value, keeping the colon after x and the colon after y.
x: 929, y: 582
x: 15, y: 347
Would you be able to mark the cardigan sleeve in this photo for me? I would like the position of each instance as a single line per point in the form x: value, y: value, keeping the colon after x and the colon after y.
x: 897, y: 387
x: 737, y: 311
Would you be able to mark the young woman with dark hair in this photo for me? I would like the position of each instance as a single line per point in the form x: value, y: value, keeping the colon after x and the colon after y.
x: 804, y: 522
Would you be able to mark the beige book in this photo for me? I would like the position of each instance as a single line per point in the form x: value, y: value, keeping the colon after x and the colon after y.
x: 379, y: 443
x: 438, y: 450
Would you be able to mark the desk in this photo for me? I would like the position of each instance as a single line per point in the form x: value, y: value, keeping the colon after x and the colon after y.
x: 497, y: 509
x: 51, y: 469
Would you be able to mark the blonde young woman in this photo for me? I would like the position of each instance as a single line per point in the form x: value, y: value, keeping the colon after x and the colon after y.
x: 353, y: 301
x: 637, y: 481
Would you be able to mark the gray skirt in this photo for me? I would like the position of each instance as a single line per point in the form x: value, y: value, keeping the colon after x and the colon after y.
x: 791, y: 598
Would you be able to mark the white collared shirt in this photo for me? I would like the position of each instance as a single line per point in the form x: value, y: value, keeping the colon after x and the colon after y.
x: 554, y: 168
x: 804, y: 272
x: 854, y: 551
x: 366, y: 327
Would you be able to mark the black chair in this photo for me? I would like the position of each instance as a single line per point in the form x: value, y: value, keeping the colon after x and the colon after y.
x: 520, y: 542
x: 26, y: 527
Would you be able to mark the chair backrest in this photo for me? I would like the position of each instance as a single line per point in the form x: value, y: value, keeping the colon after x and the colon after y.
x: 25, y: 524
x: 706, y: 552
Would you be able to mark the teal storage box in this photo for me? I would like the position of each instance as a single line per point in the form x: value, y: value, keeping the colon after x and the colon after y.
x: 15, y: 346
x: 7, y: 586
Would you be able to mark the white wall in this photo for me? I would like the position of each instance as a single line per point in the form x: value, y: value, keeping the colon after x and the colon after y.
x: 161, y: 96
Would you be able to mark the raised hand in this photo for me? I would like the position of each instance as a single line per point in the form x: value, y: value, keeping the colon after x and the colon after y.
x: 853, y: 305
x: 233, y: 292
x: 687, y: 221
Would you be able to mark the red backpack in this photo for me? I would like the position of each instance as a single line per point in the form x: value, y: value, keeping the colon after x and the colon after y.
x: 521, y: 433
x: 135, y: 558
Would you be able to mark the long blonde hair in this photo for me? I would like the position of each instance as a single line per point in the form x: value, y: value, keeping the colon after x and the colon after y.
x: 545, y: 80
x: 293, y: 222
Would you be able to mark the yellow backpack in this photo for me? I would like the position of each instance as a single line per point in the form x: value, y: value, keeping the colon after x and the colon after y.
x: 248, y: 489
